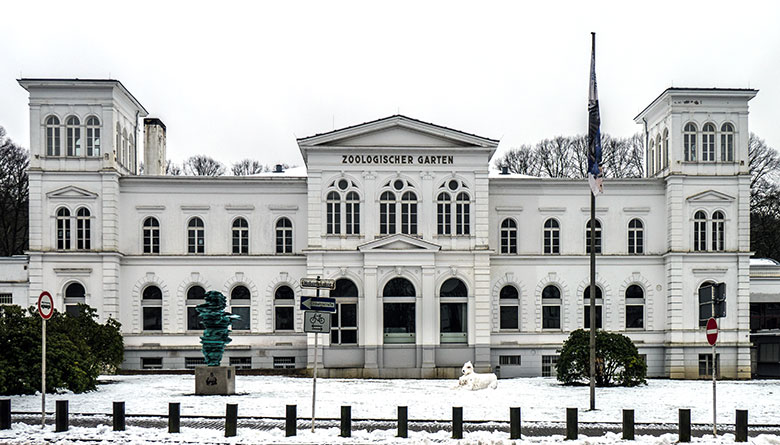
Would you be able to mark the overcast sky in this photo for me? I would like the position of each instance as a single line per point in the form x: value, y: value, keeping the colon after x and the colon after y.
x: 234, y: 80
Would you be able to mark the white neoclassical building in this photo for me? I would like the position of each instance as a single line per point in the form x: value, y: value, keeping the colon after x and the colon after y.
x: 438, y: 259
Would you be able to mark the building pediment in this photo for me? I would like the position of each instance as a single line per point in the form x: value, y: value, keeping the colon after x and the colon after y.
x: 71, y: 192
x: 398, y: 242
x: 710, y: 196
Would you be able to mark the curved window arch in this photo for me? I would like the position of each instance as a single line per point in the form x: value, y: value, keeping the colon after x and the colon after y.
x: 131, y: 152
x: 727, y: 142
x: 352, y: 213
x: 118, y: 146
x: 152, y: 293
x: 689, y: 141
x: 444, y: 214
x: 463, y: 214
x: 387, y: 211
x: 196, y: 295
x: 151, y: 302
x: 551, y: 307
x: 659, y: 165
x: 651, y: 157
x: 718, y: 234
x: 708, y: 142
x: 284, y: 235
x: 599, y: 302
x: 665, y: 151
x: 125, y: 158
x: 284, y: 305
x: 700, y: 231
x: 454, y: 288
x: 73, y: 136
x: 508, y: 236
x: 240, y: 301
x: 333, y: 213
x: 636, y: 237
x: 399, y: 287
x: 409, y: 213
x: 240, y: 236
x: 75, y: 294
x: 552, y: 236
x: 598, y: 236
x: 151, y: 235
x: 344, y: 328
x: 398, y: 310
x: 75, y: 290
x: 196, y: 234
x: 63, y: 228
x: 509, y: 308
x: 635, y: 307
x: 83, y: 232
x: 52, y: 136
x: 93, y: 136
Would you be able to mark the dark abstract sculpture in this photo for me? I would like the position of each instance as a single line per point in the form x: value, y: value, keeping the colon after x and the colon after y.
x: 216, y: 322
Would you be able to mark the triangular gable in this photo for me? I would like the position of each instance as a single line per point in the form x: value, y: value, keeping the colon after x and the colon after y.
x: 710, y: 196
x: 399, y: 242
x: 71, y: 192
x: 398, y: 136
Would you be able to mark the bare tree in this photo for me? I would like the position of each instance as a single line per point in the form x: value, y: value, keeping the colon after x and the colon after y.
x: 555, y: 157
x: 764, y: 161
x: 172, y: 169
x: 519, y: 160
x: 202, y: 165
x: 247, y: 167
x: 14, y: 196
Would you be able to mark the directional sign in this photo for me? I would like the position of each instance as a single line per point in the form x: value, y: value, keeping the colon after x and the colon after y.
x: 320, y: 304
x: 712, y: 331
x: 317, y: 283
x: 45, y: 305
x: 318, y: 322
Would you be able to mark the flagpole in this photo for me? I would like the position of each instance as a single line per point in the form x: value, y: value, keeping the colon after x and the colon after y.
x: 592, y: 342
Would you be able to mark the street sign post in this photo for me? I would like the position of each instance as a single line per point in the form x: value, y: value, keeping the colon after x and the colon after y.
x: 712, y: 338
x: 316, y: 322
x: 318, y: 310
x: 317, y: 283
x: 712, y: 331
x: 319, y: 304
x: 46, y: 310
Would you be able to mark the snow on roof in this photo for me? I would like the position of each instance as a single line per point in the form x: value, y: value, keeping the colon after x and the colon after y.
x: 299, y: 171
x: 763, y: 262
x: 497, y: 174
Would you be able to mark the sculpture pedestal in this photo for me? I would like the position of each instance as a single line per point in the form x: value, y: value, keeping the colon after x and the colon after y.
x: 215, y: 380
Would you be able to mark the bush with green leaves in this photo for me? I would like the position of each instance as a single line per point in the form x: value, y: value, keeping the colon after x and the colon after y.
x: 78, y: 350
x: 617, y: 360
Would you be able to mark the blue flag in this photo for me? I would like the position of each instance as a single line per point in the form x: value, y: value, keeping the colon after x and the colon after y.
x: 594, y: 129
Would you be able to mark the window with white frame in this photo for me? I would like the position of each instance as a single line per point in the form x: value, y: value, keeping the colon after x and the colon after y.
x: 552, y: 237
x: 509, y: 308
x: 666, y: 148
x: 453, y: 296
x: 196, y: 236
x: 708, y: 142
x: 240, y: 304
x: 241, y: 362
x: 151, y: 235
x: 635, y: 307
x: 118, y: 146
x: 444, y: 214
x: 352, y: 213
x: 195, y: 295
x: 508, y: 236
x: 343, y: 326
x: 342, y: 208
x: 93, y: 136
x: 462, y: 214
x: 284, y: 235
x: 333, y: 213
x: 284, y: 309
x: 551, y: 307
x: 706, y: 365
x: 549, y: 363
x: 73, y: 136
x: 63, y: 229
x: 718, y: 235
x: 53, y: 142
x: 658, y: 154
x: 689, y: 141
x: 398, y: 311
x: 700, y: 231
x: 151, y: 302
x: 727, y: 142
x: 598, y: 236
x: 461, y: 207
x: 125, y: 156
x: 83, y: 234
x: 75, y: 294
x: 599, y: 303
x: 636, y: 237
x: 6, y: 298
x: 387, y: 212
x: 409, y: 213
x: 151, y: 363
x: 240, y: 234
x: 651, y: 157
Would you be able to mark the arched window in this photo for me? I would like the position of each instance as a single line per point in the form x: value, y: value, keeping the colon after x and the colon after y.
x: 333, y: 213
x: 195, y: 295
x: 636, y: 237
x: 352, y: 213
x: 52, y: 136
x: 398, y: 310
x: 63, y: 229
x: 240, y: 300
x: 453, y: 313
x: 689, y: 141
x: 196, y: 234
x: 508, y: 236
x: 700, y: 231
x: 284, y: 237
x: 125, y: 157
x: 509, y: 307
x: 551, y: 307
x: 635, y: 307
x: 552, y: 236
x: 75, y: 294
x: 152, y: 308
x: 651, y: 158
x: 708, y: 142
x: 118, y: 146
x: 240, y: 236
x: 343, y: 329
x: 658, y: 154
x: 409, y: 213
x: 463, y: 214
x: 598, y: 237
x: 284, y: 309
x: 718, y: 235
x: 727, y: 142
x: 82, y: 229
x: 131, y: 152
x: 444, y: 214
x: 387, y: 213
x: 666, y: 148
x: 599, y: 302
x: 151, y: 235
x: 93, y: 136
x: 73, y: 136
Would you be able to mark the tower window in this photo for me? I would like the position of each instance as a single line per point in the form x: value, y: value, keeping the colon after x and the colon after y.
x: 689, y: 141
x: 52, y: 136
x: 73, y: 136
x: 708, y: 143
x: 727, y: 142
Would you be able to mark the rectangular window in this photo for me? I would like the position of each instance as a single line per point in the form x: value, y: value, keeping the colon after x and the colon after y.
x: 705, y: 365
x: 241, y: 362
x: 399, y: 322
x: 509, y: 360
x: 508, y: 318
x: 635, y: 316
x: 192, y: 362
x: 769, y: 353
x: 548, y: 365
x: 284, y: 362
x: 152, y: 318
x: 6, y: 298
x: 243, y: 322
x: 551, y: 317
x: 193, y: 320
x: 587, y: 317
x: 284, y: 318
x: 151, y: 362
x: 453, y: 322
x: 343, y: 329
x: 764, y: 316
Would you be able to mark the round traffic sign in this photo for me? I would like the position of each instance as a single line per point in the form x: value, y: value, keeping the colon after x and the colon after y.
x: 45, y: 305
x: 712, y: 331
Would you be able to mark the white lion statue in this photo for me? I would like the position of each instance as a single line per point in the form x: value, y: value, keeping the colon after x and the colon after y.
x: 474, y: 380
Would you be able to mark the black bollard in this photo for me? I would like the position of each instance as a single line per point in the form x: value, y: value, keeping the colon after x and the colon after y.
x: 628, y: 424
x: 685, y: 425
x: 231, y: 419
x: 457, y: 422
x: 174, y: 411
x: 61, y: 421
x: 571, y: 424
x: 514, y: 423
x: 290, y: 420
x: 403, y: 421
x: 742, y: 426
x: 119, y: 416
x: 5, y: 414
x: 346, y: 421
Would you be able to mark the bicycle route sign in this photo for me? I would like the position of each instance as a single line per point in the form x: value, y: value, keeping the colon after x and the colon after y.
x: 317, y: 322
x: 321, y: 304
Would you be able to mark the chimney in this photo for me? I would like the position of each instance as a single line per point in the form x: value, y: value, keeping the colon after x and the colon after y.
x: 504, y: 169
x: 154, y: 146
x: 278, y: 168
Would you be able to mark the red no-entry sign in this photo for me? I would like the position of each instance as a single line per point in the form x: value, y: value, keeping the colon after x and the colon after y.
x: 712, y: 331
x: 45, y: 305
